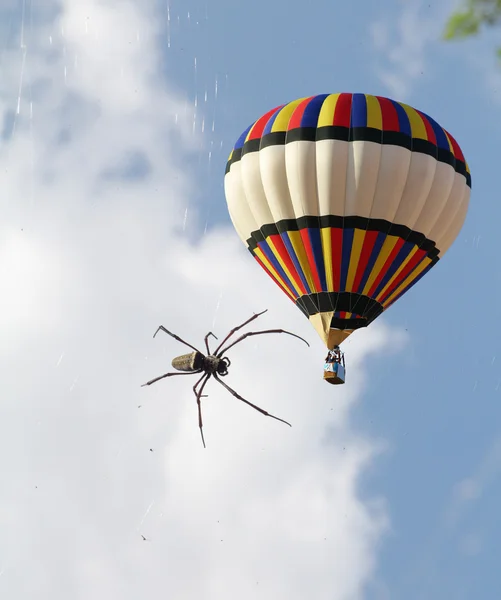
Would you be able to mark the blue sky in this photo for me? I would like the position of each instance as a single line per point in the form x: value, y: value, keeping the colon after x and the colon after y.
x: 438, y: 402
x: 118, y: 119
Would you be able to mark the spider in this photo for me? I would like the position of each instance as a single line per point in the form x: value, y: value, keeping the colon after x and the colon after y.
x: 214, y: 365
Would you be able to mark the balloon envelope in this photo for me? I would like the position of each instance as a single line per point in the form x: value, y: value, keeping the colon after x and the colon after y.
x: 346, y: 201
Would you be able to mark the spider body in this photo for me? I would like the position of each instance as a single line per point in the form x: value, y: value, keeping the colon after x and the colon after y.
x: 189, y: 362
x: 214, y: 364
x: 196, y: 362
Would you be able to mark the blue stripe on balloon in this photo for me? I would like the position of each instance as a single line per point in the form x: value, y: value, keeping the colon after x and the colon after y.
x: 241, y: 140
x: 312, y: 110
x: 271, y: 120
x: 297, y: 264
x: 266, y: 250
x: 402, y: 254
x: 405, y: 290
x: 442, y: 141
x: 403, y: 120
x: 318, y: 255
x: 345, y: 257
x: 359, y: 110
x: 376, y: 249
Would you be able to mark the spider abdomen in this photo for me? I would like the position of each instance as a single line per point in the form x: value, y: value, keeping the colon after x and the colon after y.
x: 188, y: 362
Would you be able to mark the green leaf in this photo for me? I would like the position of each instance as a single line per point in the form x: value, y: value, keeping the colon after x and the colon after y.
x: 462, y: 24
x: 474, y: 14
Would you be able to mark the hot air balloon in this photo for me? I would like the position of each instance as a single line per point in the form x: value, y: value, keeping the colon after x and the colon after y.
x: 346, y: 201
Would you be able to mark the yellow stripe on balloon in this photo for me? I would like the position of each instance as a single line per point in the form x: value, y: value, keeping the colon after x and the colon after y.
x: 451, y: 147
x: 356, y: 250
x: 326, y: 116
x: 374, y: 114
x: 281, y: 123
x: 384, y: 253
x: 297, y: 244
x: 418, y: 129
x: 397, y: 273
x: 283, y: 265
x: 325, y: 233
x: 276, y: 276
x: 409, y: 279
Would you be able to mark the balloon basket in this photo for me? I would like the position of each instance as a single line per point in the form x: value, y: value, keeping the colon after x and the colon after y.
x: 334, y: 373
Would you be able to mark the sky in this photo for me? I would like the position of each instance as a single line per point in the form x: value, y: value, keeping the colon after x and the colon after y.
x: 117, y: 118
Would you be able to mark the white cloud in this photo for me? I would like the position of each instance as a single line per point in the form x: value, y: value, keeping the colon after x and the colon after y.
x: 403, y: 40
x: 471, y: 544
x: 479, y: 56
x: 467, y: 490
x: 92, y: 259
x: 471, y: 490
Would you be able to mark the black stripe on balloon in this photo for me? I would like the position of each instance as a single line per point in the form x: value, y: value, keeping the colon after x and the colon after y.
x: 306, y: 134
x: 347, y: 134
x: 353, y: 222
x: 313, y: 304
x: 275, y: 138
x: 350, y: 324
x: 235, y: 157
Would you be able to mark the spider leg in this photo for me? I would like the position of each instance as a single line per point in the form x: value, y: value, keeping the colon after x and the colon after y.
x: 248, y: 334
x: 199, y: 382
x: 206, y: 340
x: 255, y: 316
x: 176, y: 337
x: 169, y: 375
x: 203, y: 380
x: 261, y: 410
